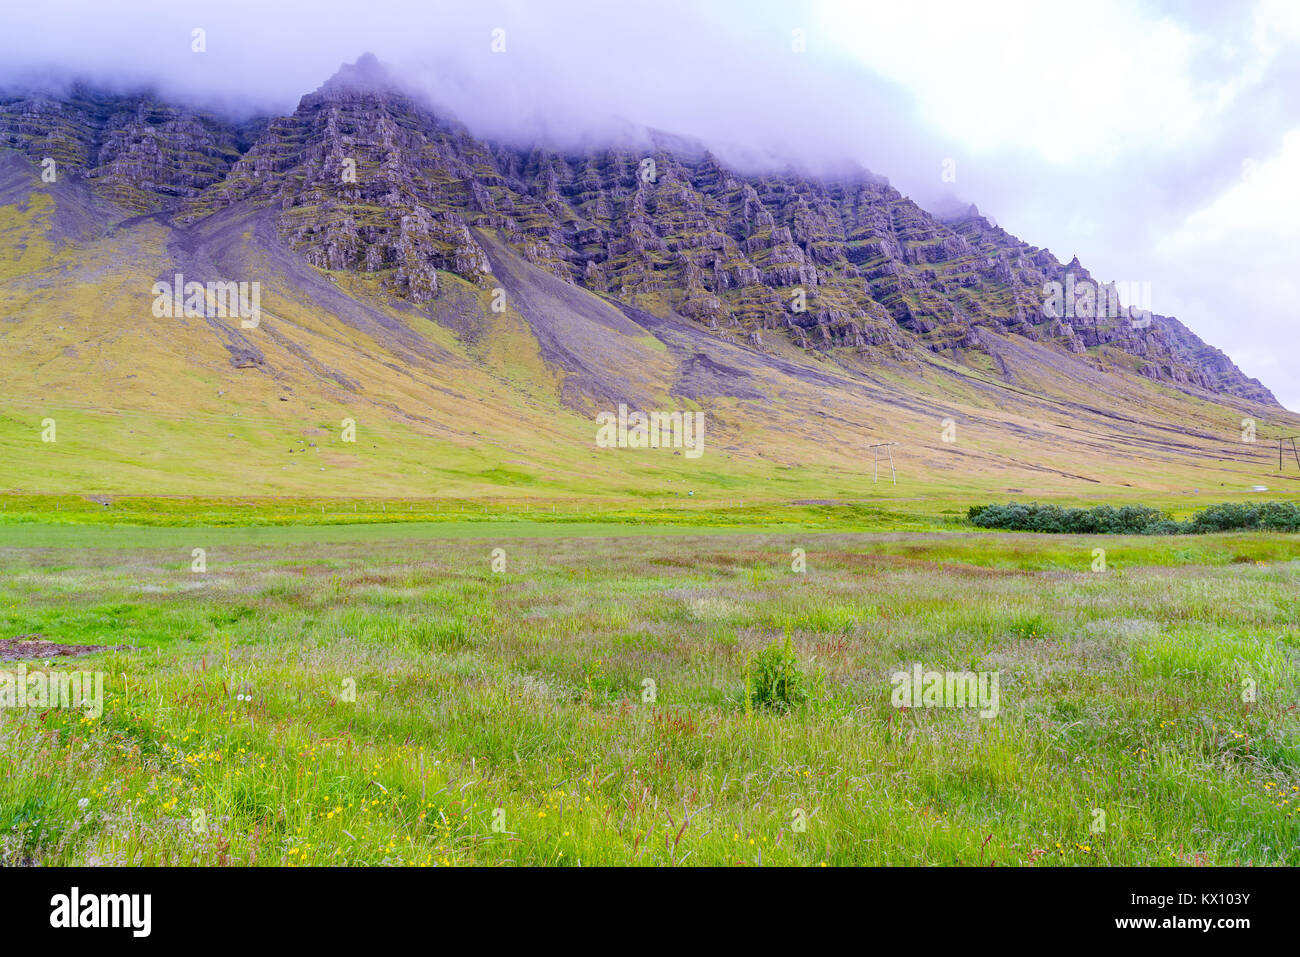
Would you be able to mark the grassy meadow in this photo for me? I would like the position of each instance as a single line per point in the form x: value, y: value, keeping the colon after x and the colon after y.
x: 379, y: 694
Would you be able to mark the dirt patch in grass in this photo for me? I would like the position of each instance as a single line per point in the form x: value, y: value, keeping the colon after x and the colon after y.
x: 27, y: 647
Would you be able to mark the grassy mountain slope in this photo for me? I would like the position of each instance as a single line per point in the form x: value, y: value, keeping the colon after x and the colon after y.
x: 452, y: 398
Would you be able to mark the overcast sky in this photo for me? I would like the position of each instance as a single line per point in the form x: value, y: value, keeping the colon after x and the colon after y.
x: 1160, y: 142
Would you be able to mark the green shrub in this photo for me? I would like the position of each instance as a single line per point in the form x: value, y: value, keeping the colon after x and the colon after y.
x: 774, y: 680
x: 1135, y: 519
x: 1031, y: 626
x: 1270, y: 516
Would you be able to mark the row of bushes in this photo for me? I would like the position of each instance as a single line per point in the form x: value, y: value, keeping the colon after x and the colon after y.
x: 1137, y: 519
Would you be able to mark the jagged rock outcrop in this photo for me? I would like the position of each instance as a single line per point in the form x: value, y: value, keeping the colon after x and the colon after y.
x: 141, y: 153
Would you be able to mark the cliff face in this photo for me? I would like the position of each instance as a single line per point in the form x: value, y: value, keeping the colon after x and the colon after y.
x: 364, y: 177
x: 140, y: 153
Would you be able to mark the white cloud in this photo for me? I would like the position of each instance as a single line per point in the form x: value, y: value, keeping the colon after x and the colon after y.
x: 1075, y: 87
x: 1263, y: 205
x: 1250, y: 233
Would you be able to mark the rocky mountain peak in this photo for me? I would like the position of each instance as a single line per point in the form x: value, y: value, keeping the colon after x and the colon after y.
x: 366, y: 79
x: 366, y: 74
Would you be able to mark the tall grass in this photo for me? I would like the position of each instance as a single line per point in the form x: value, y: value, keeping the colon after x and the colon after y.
x: 369, y: 702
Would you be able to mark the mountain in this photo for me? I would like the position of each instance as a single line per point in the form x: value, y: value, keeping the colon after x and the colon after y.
x: 483, y: 301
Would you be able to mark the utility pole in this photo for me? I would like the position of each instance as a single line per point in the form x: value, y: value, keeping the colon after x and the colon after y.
x: 875, y: 455
x: 1294, y: 450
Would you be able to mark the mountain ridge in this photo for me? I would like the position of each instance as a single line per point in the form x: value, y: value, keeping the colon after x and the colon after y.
x: 875, y: 273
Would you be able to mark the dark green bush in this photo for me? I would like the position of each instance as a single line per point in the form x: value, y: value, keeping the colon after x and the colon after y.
x: 1136, y: 519
x: 1280, y: 516
x: 1268, y: 516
